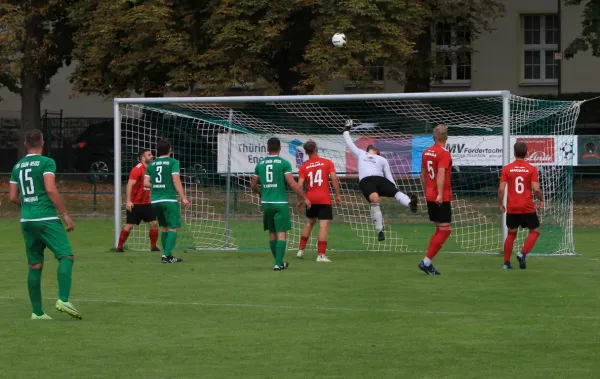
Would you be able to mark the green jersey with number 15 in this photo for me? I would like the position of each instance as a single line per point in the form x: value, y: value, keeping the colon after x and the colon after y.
x: 271, y: 171
x: 28, y: 175
x: 161, y: 172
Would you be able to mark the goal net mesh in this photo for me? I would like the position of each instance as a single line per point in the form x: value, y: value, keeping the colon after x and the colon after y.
x: 219, y: 144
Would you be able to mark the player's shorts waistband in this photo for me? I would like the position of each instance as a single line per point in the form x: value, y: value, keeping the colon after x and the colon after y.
x: 39, y: 219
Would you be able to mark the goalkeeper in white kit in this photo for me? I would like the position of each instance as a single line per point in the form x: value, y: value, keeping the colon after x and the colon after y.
x: 375, y: 180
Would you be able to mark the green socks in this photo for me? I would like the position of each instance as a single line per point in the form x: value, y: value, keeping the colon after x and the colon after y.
x: 163, y: 239
x: 65, y: 270
x: 34, y: 284
x: 170, y: 240
x: 273, y: 246
x: 279, y: 252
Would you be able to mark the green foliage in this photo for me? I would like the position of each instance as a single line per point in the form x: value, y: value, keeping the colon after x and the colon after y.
x: 128, y: 45
x: 35, y: 38
x: 590, y: 33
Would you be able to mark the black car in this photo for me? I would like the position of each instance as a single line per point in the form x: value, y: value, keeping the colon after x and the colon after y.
x: 94, y: 154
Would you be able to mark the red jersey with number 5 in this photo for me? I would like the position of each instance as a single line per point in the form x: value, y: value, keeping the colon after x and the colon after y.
x: 519, y: 175
x: 139, y: 194
x: 434, y: 158
x: 315, y: 173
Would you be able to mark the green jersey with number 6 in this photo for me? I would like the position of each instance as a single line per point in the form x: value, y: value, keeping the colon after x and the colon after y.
x: 271, y: 171
x: 28, y: 175
x: 161, y: 172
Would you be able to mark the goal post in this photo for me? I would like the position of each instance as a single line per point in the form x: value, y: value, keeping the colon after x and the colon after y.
x: 218, y: 141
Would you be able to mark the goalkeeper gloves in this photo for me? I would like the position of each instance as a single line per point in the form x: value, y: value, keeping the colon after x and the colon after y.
x: 349, y: 125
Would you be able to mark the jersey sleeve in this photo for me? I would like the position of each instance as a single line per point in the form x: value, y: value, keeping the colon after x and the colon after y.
x: 50, y: 167
x: 355, y: 150
x: 331, y: 167
x: 135, y: 174
x: 287, y: 167
x: 387, y: 171
x: 534, y: 176
x: 445, y: 160
x: 302, y: 172
x: 13, y: 175
x: 175, y: 168
x: 149, y: 170
x: 504, y: 176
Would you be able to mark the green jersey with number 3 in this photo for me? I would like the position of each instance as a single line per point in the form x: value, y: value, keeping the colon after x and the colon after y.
x: 161, y: 172
x: 271, y: 171
x: 28, y: 175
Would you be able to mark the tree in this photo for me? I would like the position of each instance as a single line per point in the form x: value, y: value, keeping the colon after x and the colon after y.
x: 288, y: 43
x: 124, y: 46
x: 590, y: 33
x: 35, y: 42
x: 473, y: 16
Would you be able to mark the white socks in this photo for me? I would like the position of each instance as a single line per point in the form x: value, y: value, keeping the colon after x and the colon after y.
x: 377, y: 217
x: 427, y: 262
x: 402, y: 199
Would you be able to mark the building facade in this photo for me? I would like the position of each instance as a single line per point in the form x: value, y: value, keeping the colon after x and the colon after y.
x: 521, y: 54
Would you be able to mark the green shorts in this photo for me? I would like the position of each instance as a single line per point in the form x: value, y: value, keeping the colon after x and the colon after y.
x: 39, y: 235
x: 276, y: 218
x: 168, y: 214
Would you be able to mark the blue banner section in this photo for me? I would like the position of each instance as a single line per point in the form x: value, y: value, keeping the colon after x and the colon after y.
x: 419, y: 144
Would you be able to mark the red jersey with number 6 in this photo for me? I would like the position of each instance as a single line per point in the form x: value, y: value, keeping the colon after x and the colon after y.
x: 434, y: 158
x: 315, y: 173
x: 139, y: 194
x: 519, y: 175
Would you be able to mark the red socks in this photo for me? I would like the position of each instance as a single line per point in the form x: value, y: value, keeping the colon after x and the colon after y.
x: 153, y: 238
x: 123, y: 238
x: 437, y: 240
x: 530, y: 241
x: 509, y: 242
x: 303, y: 241
x: 321, y: 247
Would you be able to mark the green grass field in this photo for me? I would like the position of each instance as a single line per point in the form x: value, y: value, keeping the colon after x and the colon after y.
x: 366, y: 315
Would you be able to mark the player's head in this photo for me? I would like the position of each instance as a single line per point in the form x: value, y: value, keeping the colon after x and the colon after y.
x: 273, y: 145
x: 34, y: 139
x: 371, y: 149
x: 310, y: 147
x: 520, y: 150
x: 145, y: 156
x: 440, y: 133
x: 163, y: 147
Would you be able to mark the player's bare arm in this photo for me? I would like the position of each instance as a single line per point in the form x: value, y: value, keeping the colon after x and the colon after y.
x: 13, y: 194
x: 538, y: 193
x: 52, y: 191
x: 423, y: 178
x: 179, y: 190
x: 335, y: 182
x: 130, y: 184
x: 440, y: 181
x: 501, y: 191
x: 254, y: 184
x: 289, y: 178
x: 300, y: 200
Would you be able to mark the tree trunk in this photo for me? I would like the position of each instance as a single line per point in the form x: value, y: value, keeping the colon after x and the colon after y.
x: 420, y: 67
x: 31, y: 94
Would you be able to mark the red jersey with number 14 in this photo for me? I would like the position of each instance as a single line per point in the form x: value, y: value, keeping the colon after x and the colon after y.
x: 434, y: 158
x: 315, y: 173
x: 139, y: 194
x: 518, y: 177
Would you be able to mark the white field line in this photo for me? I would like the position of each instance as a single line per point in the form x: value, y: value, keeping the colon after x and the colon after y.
x: 318, y: 308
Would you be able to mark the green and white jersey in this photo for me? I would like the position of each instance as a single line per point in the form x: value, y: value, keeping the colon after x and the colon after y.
x: 271, y: 171
x: 28, y: 175
x: 161, y: 172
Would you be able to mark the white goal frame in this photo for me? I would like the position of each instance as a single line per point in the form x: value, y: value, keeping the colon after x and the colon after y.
x: 506, y: 119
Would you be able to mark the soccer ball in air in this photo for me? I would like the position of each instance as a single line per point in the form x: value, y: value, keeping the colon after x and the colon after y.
x: 339, y: 39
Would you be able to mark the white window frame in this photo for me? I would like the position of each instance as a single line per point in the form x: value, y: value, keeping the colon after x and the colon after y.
x: 542, y: 47
x: 454, y: 50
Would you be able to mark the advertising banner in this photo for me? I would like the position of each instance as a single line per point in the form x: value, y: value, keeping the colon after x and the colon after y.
x: 588, y: 150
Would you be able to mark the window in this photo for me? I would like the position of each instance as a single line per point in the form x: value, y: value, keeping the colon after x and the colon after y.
x: 540, y: 40
x: 453, y: 58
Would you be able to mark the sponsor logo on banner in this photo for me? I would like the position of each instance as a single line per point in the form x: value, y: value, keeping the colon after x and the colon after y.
x: 589, y: 150
x: 539, y: 149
